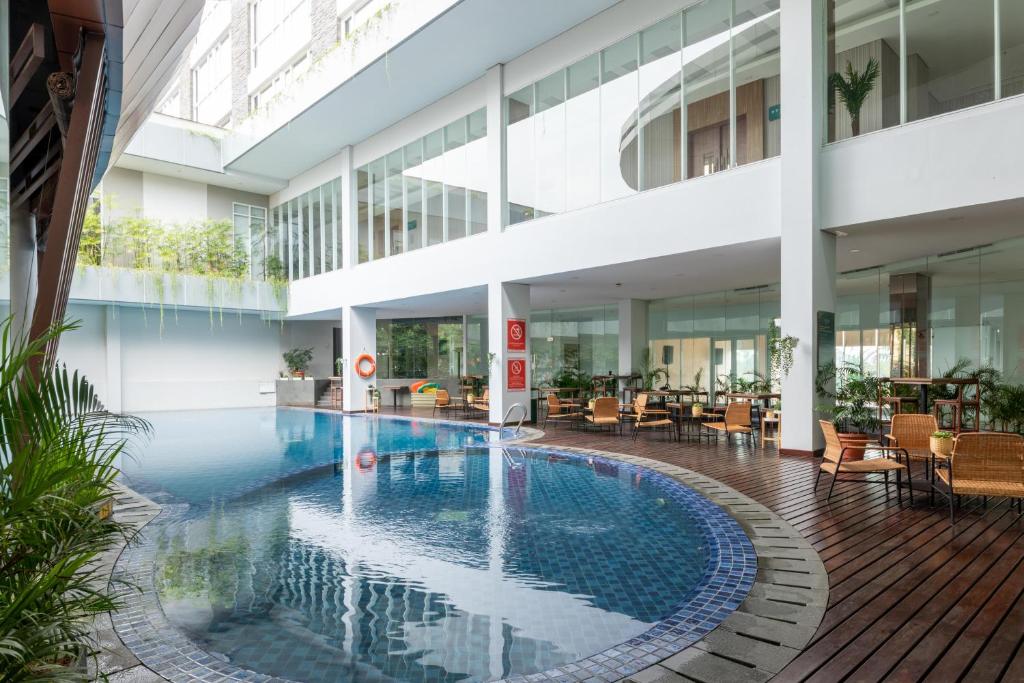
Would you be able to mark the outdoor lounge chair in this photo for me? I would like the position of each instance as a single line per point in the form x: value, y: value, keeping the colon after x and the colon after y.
x: 835, y: 463
x: 737, y: 421
x: 443, y: 401
x: 645, y: 418
x: 483, y: 403
x: 912, y: 432
x: 985, y: 464
x: 559, y: 411
x: 605, y: 413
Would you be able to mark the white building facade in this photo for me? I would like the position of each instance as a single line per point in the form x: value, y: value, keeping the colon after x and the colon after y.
x: 672, y: 179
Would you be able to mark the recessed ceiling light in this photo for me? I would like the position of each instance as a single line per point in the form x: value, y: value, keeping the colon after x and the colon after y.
x: 618, y: 284
x: 840, y: 233
x: 855, y: 251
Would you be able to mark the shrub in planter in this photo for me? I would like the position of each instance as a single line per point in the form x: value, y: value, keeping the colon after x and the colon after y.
x: 298, y: 361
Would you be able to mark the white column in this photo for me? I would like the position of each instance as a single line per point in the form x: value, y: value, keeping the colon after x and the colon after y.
x: 358, y: 336
x: 349, y: 210
x: 113, y: 399
x: 24, y: 275
x: 464, y: 364
x: 497, y: 189
x: 506, y: 300
x: 632, y: 334
x: 808, y: 254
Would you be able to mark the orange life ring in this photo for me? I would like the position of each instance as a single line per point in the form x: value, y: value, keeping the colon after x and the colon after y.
x: 368, y: 372
x: 369, y: 463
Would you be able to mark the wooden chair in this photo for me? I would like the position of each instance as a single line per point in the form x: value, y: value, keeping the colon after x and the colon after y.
x: 443, y: 401
x: 737, y: 421
x: 650, y: 418
x: 483, y: 403
x: 558, y: 411
x: 912, y: 432
x: 985, y: 464
x: 834, y: 464
x: 605, y: 413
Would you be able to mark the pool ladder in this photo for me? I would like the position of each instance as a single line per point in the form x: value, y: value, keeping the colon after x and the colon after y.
x: 509, y: 412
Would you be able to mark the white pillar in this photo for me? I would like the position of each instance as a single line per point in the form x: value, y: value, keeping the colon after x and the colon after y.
x: 24, y: 274
x: 808, y: 254
x: 358, y: 336
x: 349, y: 210
x: 113, y: 399
x: 506, y: 300
x: 496, y: 184
x: 632, y: 334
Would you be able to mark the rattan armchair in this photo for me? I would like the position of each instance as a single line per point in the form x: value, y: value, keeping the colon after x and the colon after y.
x: 912, y: 432
x: 985, y: 464
x: 737, y: 421
x: 645, y: 418
x: 605, y: 413
x: 835, y: 464
x: 558, y: 411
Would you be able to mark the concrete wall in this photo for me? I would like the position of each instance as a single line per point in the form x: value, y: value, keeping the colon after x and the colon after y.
x: 191, y: 362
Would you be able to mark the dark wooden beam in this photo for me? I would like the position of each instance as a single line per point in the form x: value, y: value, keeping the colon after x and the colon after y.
x: 74, y: 185
x: 36, y: 132
x: 29, y: 55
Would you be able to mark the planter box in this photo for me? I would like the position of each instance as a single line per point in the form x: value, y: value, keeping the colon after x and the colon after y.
x: 422, y: 400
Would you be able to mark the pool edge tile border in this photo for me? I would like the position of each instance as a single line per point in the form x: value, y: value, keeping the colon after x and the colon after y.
x: 770, y: 627
x: 780, y: 614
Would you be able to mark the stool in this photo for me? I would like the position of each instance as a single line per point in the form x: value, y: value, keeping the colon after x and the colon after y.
x: 776, y: 421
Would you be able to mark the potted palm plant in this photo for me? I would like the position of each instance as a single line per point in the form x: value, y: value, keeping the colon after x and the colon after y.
x: 853, y: 88
x: 854, y: 411
x: 298, y: 361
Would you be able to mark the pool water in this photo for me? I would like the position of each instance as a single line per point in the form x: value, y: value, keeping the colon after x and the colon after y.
x: 317, y: 547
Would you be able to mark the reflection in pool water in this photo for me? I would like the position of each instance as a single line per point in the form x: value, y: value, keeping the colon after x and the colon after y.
x: 414, y: 558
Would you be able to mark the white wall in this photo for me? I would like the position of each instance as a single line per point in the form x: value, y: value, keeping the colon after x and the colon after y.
x: 172, y: 200
x: 192, y: 362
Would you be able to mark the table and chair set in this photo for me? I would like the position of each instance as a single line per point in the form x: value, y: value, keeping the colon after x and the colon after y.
x: 958, y: 462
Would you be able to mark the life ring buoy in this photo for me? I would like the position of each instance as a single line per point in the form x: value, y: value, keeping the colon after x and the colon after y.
x: 366, y: 373
x: 365, y: 460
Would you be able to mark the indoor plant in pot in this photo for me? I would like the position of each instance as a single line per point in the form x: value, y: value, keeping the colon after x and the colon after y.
x: 853, y: 88
x: 941, y: 443
x: 298, y: 361
x: 854, y: 412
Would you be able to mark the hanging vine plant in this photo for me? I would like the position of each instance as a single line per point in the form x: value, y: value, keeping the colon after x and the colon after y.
x: 780, y: 354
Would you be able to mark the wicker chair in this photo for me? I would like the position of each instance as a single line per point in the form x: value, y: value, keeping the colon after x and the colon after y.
x: 559, y: 411
x: 605, y: 413
x: 650, y: 418
x: 985, y: 464
x: 737, y: 421
x: 912, y: 433
x: 442, y: 401
x: 834, y: 464
x: 482, y: 404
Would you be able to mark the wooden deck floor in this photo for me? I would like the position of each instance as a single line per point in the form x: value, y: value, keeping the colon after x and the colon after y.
x: 910, y: 598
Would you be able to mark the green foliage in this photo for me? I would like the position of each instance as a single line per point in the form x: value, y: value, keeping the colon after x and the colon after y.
x: 853, y: 89
x: 780, y: 354
x: 855, y: 393
x: 57, y: 467
x: 942, y: 435
x: 698, y: 381
x: 298, y: 360
x: 649, y: 374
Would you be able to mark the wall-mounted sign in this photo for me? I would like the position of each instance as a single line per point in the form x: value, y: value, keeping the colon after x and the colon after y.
x: 775, y: 112
x: 516, y: 334
x: 515, y: 377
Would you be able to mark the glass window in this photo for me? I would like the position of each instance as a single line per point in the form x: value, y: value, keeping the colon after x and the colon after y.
x: 479, y: 173
x: 660, y: 147
x: 864, y: 33
x: 433, y: 147
x: 295, y: 240
x: 333, y: 237
x: 520, y: 158
x: 619, y: 96
x: 316, y: 244
x: 583, y: 135
x: 413, y: 178
x: 377, y: 184
x: 949, y: 55
x: 755, y: 43
x: 455, y: 179
x: 1011, y: 41
x: 396, y: 223
x: 549, y: 145
x: 363, y: 213
x: 706, y: 82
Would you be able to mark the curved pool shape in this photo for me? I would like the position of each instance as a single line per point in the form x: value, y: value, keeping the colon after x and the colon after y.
x: 316, y: 547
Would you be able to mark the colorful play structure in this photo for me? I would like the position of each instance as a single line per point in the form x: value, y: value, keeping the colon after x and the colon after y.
x: 421, y: 393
